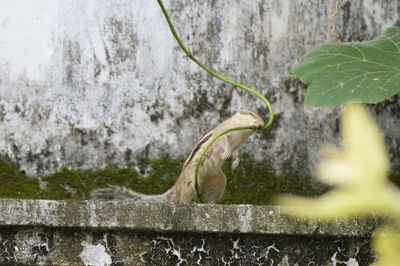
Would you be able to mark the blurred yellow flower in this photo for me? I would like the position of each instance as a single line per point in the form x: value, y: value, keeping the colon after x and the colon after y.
x: 358, y: 172
x: 386, y: 244
x: 364, y: 160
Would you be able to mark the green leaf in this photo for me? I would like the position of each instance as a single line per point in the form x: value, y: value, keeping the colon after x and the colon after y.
x: 366, y: 72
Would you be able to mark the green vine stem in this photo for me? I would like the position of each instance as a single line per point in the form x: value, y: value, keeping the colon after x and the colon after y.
x: 218, y: 76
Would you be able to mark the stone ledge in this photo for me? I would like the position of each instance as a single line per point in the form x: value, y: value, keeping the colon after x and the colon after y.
x: 156, y: 217
x: 45, y: 232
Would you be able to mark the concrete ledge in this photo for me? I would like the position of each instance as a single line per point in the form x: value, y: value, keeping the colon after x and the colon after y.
x: 158, y: 217
x: 128, y: 233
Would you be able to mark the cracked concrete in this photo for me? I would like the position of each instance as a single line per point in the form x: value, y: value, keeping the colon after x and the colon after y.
x: 128, y: 233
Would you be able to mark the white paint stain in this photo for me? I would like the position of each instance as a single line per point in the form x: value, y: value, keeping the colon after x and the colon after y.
x: 350, y: 262
x: 173, y: 249
x: 95, y: 255
x: 198, y: 250
x: 245, y: 218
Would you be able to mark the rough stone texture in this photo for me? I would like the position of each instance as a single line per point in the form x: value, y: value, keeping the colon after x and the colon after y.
x: 88, y: 83
x: 123, y: 233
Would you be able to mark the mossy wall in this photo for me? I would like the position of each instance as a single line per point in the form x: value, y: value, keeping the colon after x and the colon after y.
x: 93, y: 83
x: 251, y: 183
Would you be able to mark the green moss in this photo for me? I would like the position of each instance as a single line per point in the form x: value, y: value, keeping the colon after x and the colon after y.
x: 77, y: 184
x: 255, y: 183
x: 14, y: 183
x: 251, y: 183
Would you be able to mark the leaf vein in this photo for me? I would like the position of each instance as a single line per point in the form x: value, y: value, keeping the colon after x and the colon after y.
x: 359, y: 50
x: 389, y: 79
x: 369, y: 61
x: 394, y: 43
x: 341, y: 83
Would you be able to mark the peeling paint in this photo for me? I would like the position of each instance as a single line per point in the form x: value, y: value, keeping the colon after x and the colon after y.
x: 245, y: 219
x: 95, y: 255
x: 69, y: 235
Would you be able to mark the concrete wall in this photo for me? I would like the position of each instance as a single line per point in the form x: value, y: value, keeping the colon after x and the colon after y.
x: 89, y: 83
x: 41, y: 232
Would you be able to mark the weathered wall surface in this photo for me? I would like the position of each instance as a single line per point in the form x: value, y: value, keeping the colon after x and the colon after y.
x: 88, y: 83
x: 37, y: 232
